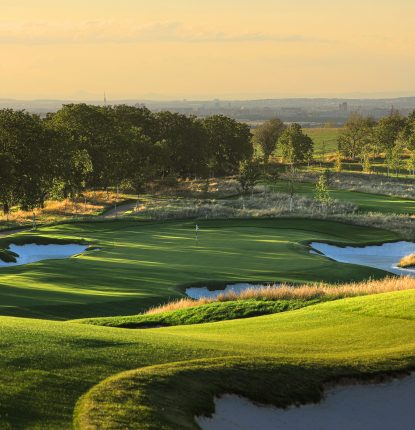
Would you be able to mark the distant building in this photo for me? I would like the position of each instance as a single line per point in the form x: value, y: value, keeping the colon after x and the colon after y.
x: 343, y: 107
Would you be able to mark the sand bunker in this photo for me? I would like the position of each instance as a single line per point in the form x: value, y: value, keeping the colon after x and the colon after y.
x: 30, y: 253
x: 359, y: 407
x: 204, y: 292
x: 385, y: 256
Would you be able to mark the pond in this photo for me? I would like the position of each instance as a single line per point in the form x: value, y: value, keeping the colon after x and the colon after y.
x: 32, y: 252
x: 384, y: 406
x: 385, y: 256
x: 204, y: 292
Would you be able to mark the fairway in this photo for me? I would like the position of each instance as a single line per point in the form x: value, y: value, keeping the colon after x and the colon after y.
x: 46, y: 366
x: 366, y: 202
x: 142, y: 264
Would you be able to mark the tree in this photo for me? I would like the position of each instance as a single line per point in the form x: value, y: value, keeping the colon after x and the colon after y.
x: 322, y: 193
x: 394, y: 160
x: 186, y: 141
x: 357, y: 136
x: 411, y: 163
x: 266, y: 136
x: 141, y: 160
x: 27, y: 160
x: 93, y: 129
x: 388, y: 130
x: 296, y: 146
x: 229, y: 143
x: 249, y: 175
x: 338, y: 165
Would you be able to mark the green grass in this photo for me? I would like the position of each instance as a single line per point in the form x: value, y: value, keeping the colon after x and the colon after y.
x: 365, y: 201
x: 143, y: 264
x: 210, y: 312
x: 325, y: 139
x: 46, y: 366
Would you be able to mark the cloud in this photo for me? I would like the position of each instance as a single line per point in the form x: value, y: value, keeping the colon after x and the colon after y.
x: 96, y: 32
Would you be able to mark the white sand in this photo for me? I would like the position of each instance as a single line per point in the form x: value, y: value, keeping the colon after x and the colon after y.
x: 30, y: 253
x: 389, y: 406
x: 385, y: 256
x: 203, y: 292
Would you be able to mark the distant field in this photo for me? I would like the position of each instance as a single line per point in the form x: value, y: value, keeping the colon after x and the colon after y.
x: 325, y: 139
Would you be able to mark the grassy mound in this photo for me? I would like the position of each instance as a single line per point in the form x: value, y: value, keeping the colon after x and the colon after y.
x: 211, y: 312
x: 250, y: 303
x: 143, y: 264
x: 407, y: 262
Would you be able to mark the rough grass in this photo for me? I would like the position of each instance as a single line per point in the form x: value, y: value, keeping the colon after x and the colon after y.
x: 250, y: 303
x: 261, y: 204
x: 91, y: 204
x: 408, y: 261
x: 302, y: 292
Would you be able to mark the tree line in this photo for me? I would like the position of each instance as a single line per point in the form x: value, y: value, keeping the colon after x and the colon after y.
x: 364, y: 139
x: 84, y: 146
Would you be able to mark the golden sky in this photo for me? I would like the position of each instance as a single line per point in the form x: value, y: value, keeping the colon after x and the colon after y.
x: 164, y: 49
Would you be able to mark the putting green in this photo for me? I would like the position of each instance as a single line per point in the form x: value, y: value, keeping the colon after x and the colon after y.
x: 142, y: 264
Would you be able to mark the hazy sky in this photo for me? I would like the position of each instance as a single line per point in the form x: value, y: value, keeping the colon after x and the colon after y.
x: 206, y: 48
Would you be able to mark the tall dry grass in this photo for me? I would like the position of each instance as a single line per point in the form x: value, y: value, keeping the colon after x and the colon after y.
x: 262, y: 204
x: 303, y: 292
x: 408, y: 261
x: 92, y: 203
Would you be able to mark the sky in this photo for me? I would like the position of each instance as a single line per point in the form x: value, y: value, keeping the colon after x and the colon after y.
x: 205, y: 49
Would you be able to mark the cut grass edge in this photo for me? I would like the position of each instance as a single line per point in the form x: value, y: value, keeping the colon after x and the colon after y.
x: 147, y: 398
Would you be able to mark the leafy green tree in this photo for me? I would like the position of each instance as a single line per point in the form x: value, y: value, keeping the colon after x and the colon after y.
x: 338, y: 165
x: 387, y: 131
x: 357, y: 136
x: 296, y: 147
x: 394, y: 159
x: 250, y: 173
x: 90, y: 128
x: 27, y: 159
x: 266, y: 136
x: 411, y: 163
x: 229, y: 143
x: 186, y: 142
x: 141, y: 160
x: 366, y: 164
x: 322, y: 192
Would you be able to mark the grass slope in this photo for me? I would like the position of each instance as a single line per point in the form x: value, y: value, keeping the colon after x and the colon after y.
x: 46, y: 366
x: 211, y: 312
x: 143, y: 264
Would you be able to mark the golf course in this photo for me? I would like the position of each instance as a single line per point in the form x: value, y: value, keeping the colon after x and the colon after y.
x: 61, y: 371
x: 142, y: 264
